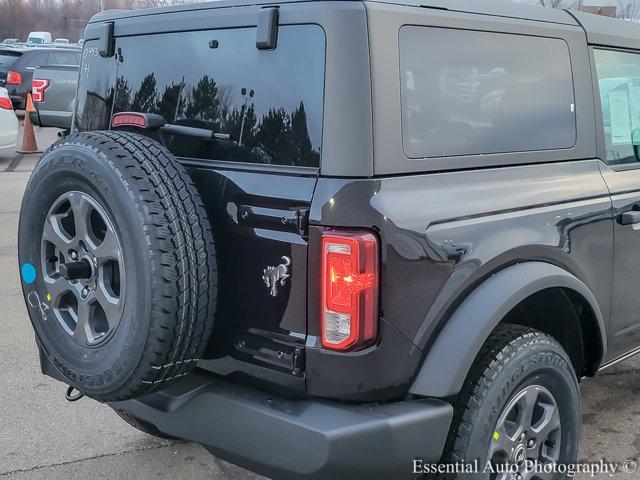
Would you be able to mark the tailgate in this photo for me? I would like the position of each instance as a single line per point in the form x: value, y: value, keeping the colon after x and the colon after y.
x: 247, y: 123
x: 260, y: 229
x: 54, y: 91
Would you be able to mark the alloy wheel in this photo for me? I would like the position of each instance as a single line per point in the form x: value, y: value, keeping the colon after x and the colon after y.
x: 529, y: 429
x: 83, y: 268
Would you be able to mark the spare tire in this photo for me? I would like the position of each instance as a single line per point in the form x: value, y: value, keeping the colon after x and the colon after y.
x: 117, y: 262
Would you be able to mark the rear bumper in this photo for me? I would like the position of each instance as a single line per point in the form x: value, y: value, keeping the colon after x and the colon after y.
x: 286, y: 438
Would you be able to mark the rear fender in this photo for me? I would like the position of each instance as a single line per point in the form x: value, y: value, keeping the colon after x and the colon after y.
x: 450, y: 358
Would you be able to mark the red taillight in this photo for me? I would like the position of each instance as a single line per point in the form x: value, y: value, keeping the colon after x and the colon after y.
x: 350, y: 285
x: 37, y: 89
x: 129, y: 119
x: 13, y: 78
x: 5, y: 103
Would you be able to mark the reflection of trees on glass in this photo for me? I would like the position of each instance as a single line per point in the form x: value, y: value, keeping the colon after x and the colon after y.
x: 273, y: 135
x: 233, y: 125
x: 123, y: 95
x: 300, y: 138
x: 172, y: 102
x: 144, y: 100
x: 204, y: 103
x: 278, y: 137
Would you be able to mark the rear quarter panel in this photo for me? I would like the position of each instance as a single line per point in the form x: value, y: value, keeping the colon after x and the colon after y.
x: 442, y: 234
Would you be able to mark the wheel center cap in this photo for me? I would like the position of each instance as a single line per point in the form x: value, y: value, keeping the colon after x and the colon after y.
x: 520, y: 456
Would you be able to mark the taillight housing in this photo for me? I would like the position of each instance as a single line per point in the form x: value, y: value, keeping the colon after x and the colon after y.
x: 13, y: 78
x: 5, y: 103
x: 130, y: 119
x: 38, y: 87
x: 350, y: 285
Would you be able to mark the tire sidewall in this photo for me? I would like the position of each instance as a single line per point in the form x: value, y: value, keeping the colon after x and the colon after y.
x: 545, y: 365
x: 78, y: 167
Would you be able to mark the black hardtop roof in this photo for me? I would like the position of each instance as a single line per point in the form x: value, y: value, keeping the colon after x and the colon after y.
x: 486, y: 7
x: 600, y: 30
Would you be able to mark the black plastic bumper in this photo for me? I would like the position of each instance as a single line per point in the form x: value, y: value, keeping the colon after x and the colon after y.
x: 285, y: 438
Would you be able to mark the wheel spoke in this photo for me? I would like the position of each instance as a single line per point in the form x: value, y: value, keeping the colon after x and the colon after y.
x: 82, y: 333
x: 527, y: 404
x: 109, y: 248
x: 52, y: 234
x: 81, y: 209
x: 110, y: 305
x: 549, y: 422
x: 56, y: 287
x: 501, y: 442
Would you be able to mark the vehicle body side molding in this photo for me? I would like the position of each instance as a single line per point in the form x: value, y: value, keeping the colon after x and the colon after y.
x: 454, y: 351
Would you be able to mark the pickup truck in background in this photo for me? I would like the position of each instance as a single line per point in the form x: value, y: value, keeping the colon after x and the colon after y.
x: 53, y: 93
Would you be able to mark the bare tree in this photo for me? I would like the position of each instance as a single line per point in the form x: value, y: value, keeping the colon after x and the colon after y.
x: 629, y: 9
x: 558, y: 3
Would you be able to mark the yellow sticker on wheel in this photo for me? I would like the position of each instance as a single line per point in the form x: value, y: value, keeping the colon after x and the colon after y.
x: 48, y: 297
x: 496, y: 436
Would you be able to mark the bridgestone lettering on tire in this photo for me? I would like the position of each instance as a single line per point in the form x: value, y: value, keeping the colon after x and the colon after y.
x: 520, y: 404
x: 124, y: 290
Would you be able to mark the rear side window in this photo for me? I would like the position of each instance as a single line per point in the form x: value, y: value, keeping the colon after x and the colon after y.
x: 471, y: 93
x: 8, y: 58
x: 619, y: 85
x: 262, y: 106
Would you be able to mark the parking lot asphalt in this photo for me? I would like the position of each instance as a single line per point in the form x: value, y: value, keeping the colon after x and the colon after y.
x: 42, y: 436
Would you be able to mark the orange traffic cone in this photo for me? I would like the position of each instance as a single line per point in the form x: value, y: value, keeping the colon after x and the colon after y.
x: 29, y: 144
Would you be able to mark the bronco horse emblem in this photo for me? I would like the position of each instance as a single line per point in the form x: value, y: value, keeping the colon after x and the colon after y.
x: 274, y: 275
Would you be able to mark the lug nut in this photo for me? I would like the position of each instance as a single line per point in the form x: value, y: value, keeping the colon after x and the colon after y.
x: 531, y: 443
x: 73, y: 254
x: 85, y: 292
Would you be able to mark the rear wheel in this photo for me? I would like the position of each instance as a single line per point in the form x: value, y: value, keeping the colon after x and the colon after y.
x: 519, y: 413
x: 118, y: 265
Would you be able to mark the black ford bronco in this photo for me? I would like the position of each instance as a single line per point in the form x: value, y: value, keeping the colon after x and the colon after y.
x: 345, y: 239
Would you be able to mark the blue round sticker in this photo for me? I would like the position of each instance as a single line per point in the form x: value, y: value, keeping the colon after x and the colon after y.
x: 28, y: 273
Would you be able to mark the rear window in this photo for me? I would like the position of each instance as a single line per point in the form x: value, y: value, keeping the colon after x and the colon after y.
x: 8, y: 58
x: 64, y: 58
x: 38, y: 59
x: 264, y: 106
x: 471, y: 93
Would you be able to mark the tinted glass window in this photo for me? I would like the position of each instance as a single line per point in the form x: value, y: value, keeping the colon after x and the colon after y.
x: 96, y: 87
x: 38, y: 59
x: 8, y: 58
x: 64, y: 58
x: 469, y: 93
x: 255, y: 106
x: 619, y: 85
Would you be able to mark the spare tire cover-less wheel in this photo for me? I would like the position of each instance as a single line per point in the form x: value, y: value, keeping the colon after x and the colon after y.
x: 117, y: 263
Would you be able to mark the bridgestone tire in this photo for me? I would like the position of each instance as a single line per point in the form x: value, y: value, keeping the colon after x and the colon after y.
x: 163, y: 281
x: 514, y: 360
